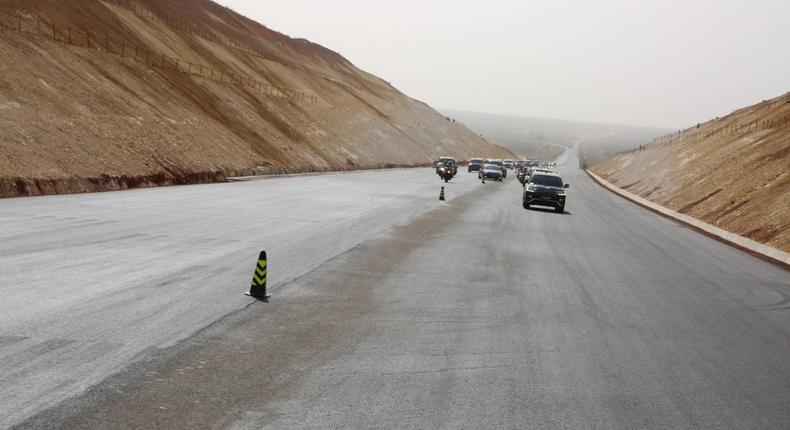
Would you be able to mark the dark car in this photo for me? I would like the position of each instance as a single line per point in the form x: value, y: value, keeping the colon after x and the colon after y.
x: 475, y: 164
x: 535, y: 170
x: 545, y: 189
x: 501, y: 166
x: 509, y: 164
x: 490, y: 171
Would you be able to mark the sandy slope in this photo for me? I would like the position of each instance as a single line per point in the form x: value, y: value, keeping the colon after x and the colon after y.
x: 77, y: 119
x: 732, y: 172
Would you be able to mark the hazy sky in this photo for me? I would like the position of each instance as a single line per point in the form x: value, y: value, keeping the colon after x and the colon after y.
x: 653, y: 62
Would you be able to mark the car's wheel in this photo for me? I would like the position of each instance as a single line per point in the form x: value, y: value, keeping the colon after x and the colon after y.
x: 560, y: 209
x: 526, y: 205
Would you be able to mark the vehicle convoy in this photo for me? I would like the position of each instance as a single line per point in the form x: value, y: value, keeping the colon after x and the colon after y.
x: 475, y: 164
x: 545, y: 189
x: 490, y: 171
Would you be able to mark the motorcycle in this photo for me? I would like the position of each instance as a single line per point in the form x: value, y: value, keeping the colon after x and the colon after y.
x: 522, y: 176
x: 446, y: 173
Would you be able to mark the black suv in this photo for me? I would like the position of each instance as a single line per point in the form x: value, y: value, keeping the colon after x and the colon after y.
x: 545, y: 189
x: 475, y: 164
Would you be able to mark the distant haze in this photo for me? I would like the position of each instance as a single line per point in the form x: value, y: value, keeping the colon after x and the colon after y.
x: 669, y: 63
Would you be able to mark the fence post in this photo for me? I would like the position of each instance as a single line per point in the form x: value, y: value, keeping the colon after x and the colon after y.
x: 19, y: 23
x: 70, y: 36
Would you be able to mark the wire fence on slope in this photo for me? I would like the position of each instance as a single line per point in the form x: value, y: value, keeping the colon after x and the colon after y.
x: 194, y: 30
x: 227, y: 42
x: 32, y: 23
x: 709, y: 129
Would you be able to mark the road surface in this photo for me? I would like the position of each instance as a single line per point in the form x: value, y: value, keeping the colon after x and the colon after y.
x: 90, y: 283
x: 390, y: 310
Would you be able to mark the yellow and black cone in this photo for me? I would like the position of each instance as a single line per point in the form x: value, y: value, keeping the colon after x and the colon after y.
x: 258, y: 287
x: 441, y: 194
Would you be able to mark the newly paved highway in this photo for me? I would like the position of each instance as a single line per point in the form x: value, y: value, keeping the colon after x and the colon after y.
x: 390, y: 310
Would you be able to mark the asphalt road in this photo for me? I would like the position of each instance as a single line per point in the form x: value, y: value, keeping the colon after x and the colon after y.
x: 390, y: 310
x: 90, y: 283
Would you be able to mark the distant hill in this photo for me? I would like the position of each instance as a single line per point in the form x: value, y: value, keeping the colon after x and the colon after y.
x: 543, y: 138
x: 732, y: 172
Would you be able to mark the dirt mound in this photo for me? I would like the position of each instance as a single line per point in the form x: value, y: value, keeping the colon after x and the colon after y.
x: 732, y: 172
x: 98, y: 95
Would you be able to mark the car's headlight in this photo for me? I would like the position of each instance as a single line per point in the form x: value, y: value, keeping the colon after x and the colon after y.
x: 561, y: 194
x: 530, y: 188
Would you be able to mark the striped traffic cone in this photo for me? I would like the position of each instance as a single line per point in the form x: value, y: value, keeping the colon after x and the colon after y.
x: 258, y: 287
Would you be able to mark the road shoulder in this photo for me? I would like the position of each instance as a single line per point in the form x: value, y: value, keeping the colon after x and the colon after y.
x: 763, y: 251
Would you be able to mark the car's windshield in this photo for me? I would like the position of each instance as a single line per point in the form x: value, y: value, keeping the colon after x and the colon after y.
x: 546, y: 180
x: 476, y: 161
x: 491, y: 167
x: 497, y: 163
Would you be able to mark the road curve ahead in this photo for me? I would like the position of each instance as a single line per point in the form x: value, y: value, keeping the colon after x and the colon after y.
x: 474, y: 314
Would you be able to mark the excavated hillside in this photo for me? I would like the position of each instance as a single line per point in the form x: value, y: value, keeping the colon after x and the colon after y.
x: 100, y: 95
x: 732, y: 172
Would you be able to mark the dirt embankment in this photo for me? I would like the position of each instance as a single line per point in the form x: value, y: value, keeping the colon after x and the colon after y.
x: 99, y: 95
x: 732, y: 172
